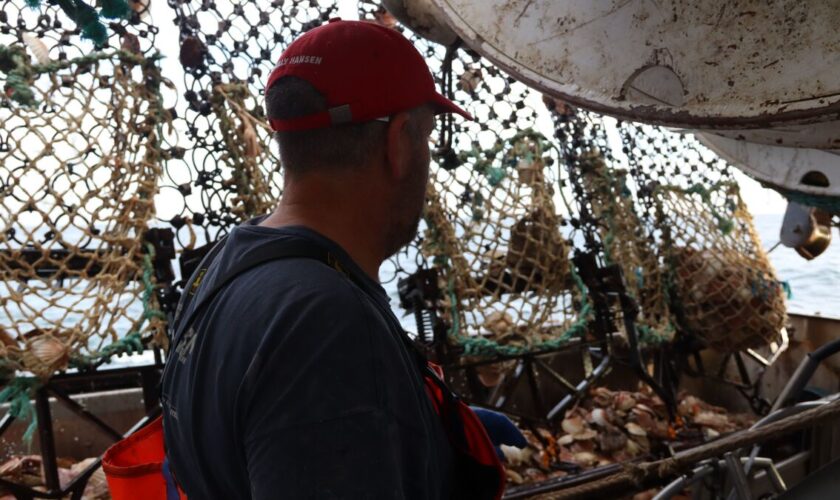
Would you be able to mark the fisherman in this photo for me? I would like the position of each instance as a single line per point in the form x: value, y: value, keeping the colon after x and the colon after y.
x: 289, y: 375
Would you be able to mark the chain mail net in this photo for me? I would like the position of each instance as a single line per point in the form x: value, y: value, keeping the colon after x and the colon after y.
x: 628, y: 244
x: 229, y: 171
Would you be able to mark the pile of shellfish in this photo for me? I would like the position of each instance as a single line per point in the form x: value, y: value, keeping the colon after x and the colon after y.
x: 610, y: 427
x: 27, y: 470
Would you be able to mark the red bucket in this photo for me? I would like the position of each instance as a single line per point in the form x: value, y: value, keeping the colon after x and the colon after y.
x: 134, y: 466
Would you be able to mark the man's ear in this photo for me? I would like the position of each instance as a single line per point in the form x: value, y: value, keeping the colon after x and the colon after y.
x: 398, y: 147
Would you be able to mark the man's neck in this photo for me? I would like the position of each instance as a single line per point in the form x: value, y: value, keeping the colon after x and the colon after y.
x: 357, y: 234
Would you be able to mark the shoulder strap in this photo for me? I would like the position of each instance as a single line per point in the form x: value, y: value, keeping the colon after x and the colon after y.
x: 297, y: 248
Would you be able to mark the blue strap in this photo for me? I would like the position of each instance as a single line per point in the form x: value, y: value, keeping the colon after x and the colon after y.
x: 171, y: 488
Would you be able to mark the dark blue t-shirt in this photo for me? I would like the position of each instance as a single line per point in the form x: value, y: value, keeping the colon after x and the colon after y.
x: 296, y: 385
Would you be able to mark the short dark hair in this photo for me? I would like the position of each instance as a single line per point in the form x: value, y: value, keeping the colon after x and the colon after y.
x: 333, y: 147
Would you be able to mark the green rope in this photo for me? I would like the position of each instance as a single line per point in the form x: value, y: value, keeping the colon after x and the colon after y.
x: 115, y: 9
x: 827, y: 203
x: 788, y: 290
x: 15, y: 63
x: 86, y: 17
x: 21, y: 74
x: 132, y: 343
x: 651, y: 337
x: 483, y: 159
x: 18, y: 393
x: 482, y: 346
x: 725, y: 224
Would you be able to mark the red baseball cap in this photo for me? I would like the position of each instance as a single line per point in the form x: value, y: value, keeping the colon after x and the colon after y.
x: 365, y: 71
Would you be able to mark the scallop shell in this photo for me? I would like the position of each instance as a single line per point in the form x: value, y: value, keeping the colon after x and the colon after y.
x: 599, y: 417
x: 515, y: 456
x: 38, y: 47
x: 499, y: 323
x: 514, y: 476
x: 585, y: 458
x: 573, y: 425
x: 714, y: 420
x: 565, y: 439
x: 585, y: 435
x: 624, y: 402
x: 614, y: 440
x: 633, y: 448
x: 45, y: 355
x: 635, y: 429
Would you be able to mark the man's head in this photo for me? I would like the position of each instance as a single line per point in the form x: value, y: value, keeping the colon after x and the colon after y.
x: 393, y: 153
x: 354, y: 102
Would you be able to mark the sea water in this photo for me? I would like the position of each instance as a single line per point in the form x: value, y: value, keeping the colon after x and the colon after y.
x: 813, y: 283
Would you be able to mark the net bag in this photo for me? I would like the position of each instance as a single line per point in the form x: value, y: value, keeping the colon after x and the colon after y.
x: 722, y: 286
x: 79, y: 167
x: 494, y: 232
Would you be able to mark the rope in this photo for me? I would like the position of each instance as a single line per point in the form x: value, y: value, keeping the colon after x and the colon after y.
x: 18, y: 393
x: 80, y: 180
x: 721, y: 284
x: 20, y: 73
x: 637, y: 476
x: 86, y: 17
x: 493, y: 231
x: 828, y: 203
x: 244, y: 150
x: 132, y: 343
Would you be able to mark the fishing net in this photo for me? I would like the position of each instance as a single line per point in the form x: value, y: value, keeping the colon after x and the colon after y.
x: 495, y: 222
x: 713, y: 272
x: 496, y: 228
x: 494, y: 231
x: 79, y: 166
x: 226, y: 51
x: 629, y: 244
x: 668, y: 212
x: 723, y: 287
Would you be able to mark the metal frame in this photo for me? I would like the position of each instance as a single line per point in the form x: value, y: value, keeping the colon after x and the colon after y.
x: 61, y: 387
x: 87, y: 380
x: 419, y: 295
x: 749, y: 387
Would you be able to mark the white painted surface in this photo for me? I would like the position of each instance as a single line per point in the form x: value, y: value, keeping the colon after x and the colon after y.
x: 739, y: 64
x: 780, y: 166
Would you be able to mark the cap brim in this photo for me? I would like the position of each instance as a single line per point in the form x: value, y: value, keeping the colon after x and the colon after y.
x: 443, y: 105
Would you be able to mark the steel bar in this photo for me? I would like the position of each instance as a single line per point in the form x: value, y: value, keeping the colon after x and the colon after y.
x: 83, y: 412
x: 736, y: 474
x: 46, y: 440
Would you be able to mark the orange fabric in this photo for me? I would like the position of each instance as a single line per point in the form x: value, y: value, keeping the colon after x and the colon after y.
x: 476, y: 442
x: 133, y: 465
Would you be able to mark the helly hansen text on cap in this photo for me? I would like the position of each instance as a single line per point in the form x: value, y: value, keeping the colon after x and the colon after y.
x: 365, y: 71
